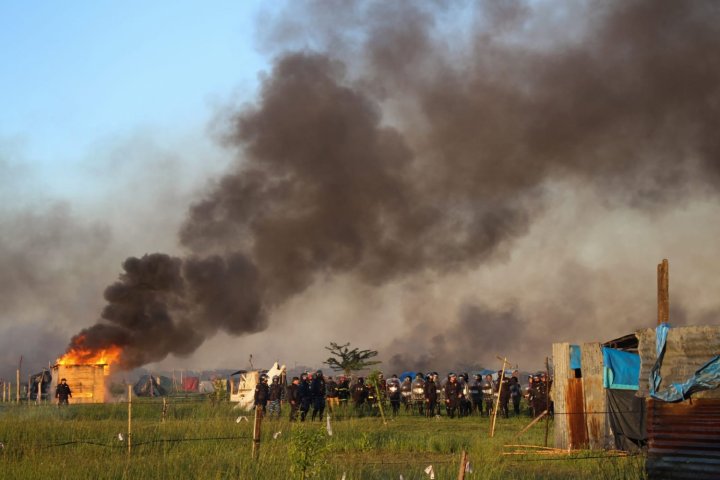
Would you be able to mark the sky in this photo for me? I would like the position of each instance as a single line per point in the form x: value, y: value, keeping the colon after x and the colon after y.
x: 443, y: 182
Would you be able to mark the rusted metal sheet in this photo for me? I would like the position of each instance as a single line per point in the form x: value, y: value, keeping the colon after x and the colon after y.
x: 686, y: 350
x: 684, y: 439
x: 561, y: 372
x: 595, y: 398
x: 575, y: 409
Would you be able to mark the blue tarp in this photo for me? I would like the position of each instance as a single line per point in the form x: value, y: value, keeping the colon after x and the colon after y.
x: 575, y: 357
x: 706, y: 377
x: 621, y: 370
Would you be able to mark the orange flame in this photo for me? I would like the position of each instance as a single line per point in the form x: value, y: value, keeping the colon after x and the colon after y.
x: 80, y: 355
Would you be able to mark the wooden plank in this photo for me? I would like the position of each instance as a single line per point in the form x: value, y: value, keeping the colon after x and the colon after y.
x: 561, y: 367
x: 595, y: 399
x: 575, y: 409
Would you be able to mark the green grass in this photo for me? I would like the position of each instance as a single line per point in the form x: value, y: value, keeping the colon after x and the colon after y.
x: 204, y: 440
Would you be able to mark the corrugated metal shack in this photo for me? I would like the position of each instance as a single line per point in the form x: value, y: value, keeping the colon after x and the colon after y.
x: 683, y: 437
x: 87, y: 382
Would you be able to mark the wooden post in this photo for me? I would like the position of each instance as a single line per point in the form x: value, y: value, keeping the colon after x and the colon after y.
x: 38, y: 399
x: 257, y: 427
x: 497, y: 402
x: 129, y: 434
x: 463, y: 464
x: 379, y: 400
x: 164, y: 410
x: 17, y: 387
x: 663, y: 295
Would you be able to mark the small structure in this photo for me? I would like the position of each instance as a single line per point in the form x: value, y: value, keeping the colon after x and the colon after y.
x: 243, y: 382
x: 87, y: 382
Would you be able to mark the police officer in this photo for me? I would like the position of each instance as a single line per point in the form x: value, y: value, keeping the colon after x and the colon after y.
x: 359, y: 394
x: 393, y: 393
x: 431, y: 395
x: 317, y: 392
x: 452, y: 395
x: 418, y: 392
x: 476, y: 394
x: 502, y: 386
x: 274, y: 398
x: 343, y: 390
x: 515, y: 391
x: 304, y: 396
x: 63, y: 392
x: 262, y: 393
x: 293, y: 397
x: 488, y: 393
x: 406, y: 393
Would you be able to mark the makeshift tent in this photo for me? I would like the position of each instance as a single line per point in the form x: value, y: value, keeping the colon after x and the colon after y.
x: 152, y: 386
x: 190, y: 384
x: 206, y: 386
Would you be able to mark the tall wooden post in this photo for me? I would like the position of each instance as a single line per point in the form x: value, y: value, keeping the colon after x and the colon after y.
x: 17, y: 387
x: 463, y: 465
x: 663, y: 295
x: 129, y: 435
x: 497, y: 402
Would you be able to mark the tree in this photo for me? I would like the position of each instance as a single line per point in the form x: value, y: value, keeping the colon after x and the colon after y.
x: 349, y: 360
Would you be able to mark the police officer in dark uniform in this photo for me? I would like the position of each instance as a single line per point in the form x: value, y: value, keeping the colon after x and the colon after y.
x: 359, y: 394
x: 452, y: 395
x: 476, y: 394
x: 343, y: 390
x: 406, y: 393
x: 331, y: 390
x: 488, y: 394
x: 262, y: 393
x: 503, y: 389
x: 304, y: 396
x: 63, y: 392
x: 293, y: 397
x: 317, y: 392
x: 393, y: 393
x: 431, y: 395
x: 418, y: 393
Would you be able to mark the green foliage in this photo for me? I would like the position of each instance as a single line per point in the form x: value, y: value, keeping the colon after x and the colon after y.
x: 349, y: 360
x: 308, y: 446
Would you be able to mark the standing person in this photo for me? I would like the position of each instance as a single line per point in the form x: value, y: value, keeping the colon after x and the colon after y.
x: 488, y: 393
x: 515, y: 391
x: 343, y: 391
x: 431, y: 395
x: 63, y: 392
x: 359, y: 394
x: 293, y: 397
x: 331, y: 390
x: 464, y: 397
x: 274, y: 397
x: 418, y: 392
x: 304, y: 396
x: 262, y: 393
x: 476, y: 394
x: 317, y: 391
x: 393, y: 393
x: 406, y: 393
x: 503, y: 389
x: 452, y: 395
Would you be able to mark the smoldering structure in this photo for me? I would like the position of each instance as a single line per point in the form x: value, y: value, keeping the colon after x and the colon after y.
x: 382, y: 147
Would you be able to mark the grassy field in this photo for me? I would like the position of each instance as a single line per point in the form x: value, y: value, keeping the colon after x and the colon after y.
x: 206, y: 440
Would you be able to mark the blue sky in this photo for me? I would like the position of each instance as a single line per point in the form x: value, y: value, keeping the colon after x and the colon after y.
x: 75, y: 73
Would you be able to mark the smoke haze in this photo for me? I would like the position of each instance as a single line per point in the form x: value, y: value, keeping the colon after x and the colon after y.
x: 475, y: 178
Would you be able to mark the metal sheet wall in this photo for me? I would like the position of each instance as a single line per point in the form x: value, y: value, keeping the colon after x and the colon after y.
x: 684, y: 439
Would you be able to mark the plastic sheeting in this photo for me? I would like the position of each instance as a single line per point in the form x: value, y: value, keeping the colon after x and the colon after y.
x: 575, y: 355
x: 626, y: 414
x: 706, y: 377
x: 621, y: 370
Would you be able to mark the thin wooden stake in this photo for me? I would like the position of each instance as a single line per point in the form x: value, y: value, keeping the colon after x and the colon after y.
x: 164, y: 410
x: 257, y: 426
x: 379, y: 400
x: 129, y: 433
x: 535, y: 420
x: 497, y: 402
x: 17, y: 386
x: 663, y: 294
x: 463, y: 465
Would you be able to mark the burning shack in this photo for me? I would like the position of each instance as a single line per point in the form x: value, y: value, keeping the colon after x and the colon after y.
x: 87, y: 382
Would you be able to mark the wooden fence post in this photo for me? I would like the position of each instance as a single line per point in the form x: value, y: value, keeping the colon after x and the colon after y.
x: 256, y: 432
x: 129, y: 434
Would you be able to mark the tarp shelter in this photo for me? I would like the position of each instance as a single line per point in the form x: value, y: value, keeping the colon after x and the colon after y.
x: 152, y: 386
x: 206, y: 386
x: 190, y: 384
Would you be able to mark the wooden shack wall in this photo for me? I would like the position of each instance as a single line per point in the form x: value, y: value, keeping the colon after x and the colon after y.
x: 86, y: 382
x: 561, y: 374
x: 595, y: 398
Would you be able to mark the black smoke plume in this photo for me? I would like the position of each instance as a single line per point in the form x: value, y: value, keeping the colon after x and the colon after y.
x: 392, y: 143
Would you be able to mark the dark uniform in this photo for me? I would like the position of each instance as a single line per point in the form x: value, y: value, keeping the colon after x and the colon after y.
x: 430, y: 396
x: 503, y: 388
x: 343, y: 391
x: 63, y: 392
x: 418, y: 393
x: 476, y: 395
x: 393, y: 393
x: 452, y: 395
x: 274, y: 398
x: 406, y: 393
x: 262, y: 393
x: 304, y: 396
x: 488, y: 393
x: 293, y: 397
x: 331, y: 390
x: 359, y: 394
x: 515, y: 394
x: 317, y: 392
